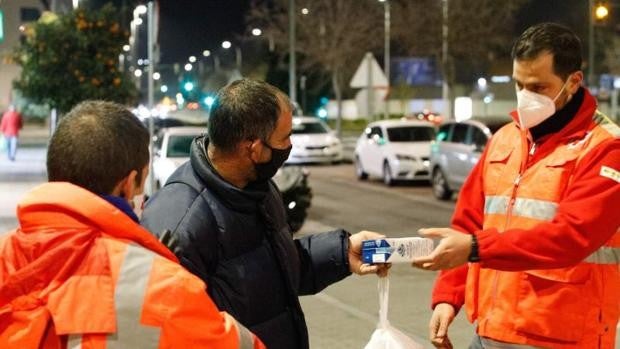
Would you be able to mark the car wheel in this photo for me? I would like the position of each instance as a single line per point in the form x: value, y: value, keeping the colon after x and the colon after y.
x: 387, y: 174
x: 440, y: 186
x: 359, y: 171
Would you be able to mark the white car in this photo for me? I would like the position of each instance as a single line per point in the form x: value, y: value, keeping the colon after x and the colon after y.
x: 313, y: 141
x: 394, y: 150
x: 173, y: 146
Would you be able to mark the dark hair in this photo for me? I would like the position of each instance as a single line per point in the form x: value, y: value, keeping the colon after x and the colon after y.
x: 554, y: 38
x: 244, y: 110
x: 96, y: 145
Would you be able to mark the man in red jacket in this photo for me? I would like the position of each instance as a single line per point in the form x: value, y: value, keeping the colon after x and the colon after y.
x: 9, y: 126
x: 80, y: 272
x: 537, y: 219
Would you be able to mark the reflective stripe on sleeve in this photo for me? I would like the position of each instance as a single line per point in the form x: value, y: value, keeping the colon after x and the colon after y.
x: 605, y: 255
x: 529, y: 208
x: 245, y: 337
x: 74, y: 341
x: 129, y: 299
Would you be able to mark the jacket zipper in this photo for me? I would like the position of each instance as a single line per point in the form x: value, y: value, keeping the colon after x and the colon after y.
x: 509, y: 207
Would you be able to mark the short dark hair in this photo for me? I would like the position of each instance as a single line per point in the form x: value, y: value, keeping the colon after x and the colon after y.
x: 244, y: 110
x: 96, y: 145
x: 554, y: 38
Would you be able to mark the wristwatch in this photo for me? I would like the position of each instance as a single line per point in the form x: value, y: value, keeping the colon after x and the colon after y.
x: 474, y: 257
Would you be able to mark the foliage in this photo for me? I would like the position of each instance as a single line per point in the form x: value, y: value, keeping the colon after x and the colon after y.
x: 332, y: 38
x: 478, y: 32
x: 73, y: 57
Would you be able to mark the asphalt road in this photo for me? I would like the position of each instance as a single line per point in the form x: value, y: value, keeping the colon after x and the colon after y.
x: 345, y: 314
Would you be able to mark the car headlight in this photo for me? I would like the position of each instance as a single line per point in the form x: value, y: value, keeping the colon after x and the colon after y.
x: 405, y: 157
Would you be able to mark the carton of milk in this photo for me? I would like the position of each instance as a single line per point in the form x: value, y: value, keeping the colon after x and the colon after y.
x: 395, y: 250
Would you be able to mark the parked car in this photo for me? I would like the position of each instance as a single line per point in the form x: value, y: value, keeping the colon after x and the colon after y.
x: 456, y: 151
x: 172, y: 150
x: 313, y: 142
x: 394, y: 150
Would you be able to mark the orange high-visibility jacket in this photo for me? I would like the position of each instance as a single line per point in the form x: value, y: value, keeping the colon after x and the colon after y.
x: 79, y: 273
x: 546, y: 217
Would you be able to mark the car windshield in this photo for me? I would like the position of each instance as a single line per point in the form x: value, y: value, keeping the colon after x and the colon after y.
x: 411, y: 134
x: 178, y: 145
x: 308, y: 127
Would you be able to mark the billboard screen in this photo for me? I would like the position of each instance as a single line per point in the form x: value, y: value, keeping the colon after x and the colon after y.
x: 415, y: 71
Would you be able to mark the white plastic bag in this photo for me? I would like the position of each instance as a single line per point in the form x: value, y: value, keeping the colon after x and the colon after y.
x: 386, y: 336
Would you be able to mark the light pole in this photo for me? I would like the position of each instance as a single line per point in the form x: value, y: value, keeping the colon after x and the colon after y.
x: 386, y: 54
x: 238, y: 57
x: 591, y: 43
x: 445, y: 88
x: 292, y: 79
x: 150, y: 55
x: 597, y: 13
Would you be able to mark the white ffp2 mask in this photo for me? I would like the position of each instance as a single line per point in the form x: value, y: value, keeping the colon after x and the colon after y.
x: 534, y: 108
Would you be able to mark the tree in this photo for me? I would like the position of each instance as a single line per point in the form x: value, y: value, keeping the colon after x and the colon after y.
x: 479, y: 32
x: 72, y: 57
x: 332, y: 37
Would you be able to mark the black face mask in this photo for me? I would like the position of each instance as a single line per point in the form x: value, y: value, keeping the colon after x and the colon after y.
x: 265, y: 171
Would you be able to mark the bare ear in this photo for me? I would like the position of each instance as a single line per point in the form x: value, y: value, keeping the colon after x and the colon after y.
x: 576, y: 79
x: 127, y: 186
x: 255, y: 149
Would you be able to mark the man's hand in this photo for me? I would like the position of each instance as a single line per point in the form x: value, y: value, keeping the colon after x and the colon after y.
x: 355, y: 255
x: 438, y: 326
x: 452, y: 251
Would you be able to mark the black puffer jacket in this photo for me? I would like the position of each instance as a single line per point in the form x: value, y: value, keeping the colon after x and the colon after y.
x: 239, y: 243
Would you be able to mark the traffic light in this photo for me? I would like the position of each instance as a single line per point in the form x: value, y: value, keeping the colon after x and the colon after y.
x: 188, y: 86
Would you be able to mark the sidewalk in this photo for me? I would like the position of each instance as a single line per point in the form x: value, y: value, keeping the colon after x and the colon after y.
x: 23, y: 174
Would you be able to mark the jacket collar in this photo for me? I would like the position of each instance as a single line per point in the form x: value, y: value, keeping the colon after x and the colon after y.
x: 245, y: 200
x: 58, y: 204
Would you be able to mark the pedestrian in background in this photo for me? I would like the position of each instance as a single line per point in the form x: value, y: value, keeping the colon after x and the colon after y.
x: 9, y: 127
x: 538, y: 217
x: 80, y: 272
x: 225, y: 219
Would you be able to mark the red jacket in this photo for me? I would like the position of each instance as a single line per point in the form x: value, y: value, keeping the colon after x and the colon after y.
x: 80, y: 273
x: 586, y: 219
x: 11, y: 123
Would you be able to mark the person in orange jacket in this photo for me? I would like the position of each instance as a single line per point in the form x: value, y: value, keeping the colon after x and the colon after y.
x: 537, y: 219
x: 80, y: 272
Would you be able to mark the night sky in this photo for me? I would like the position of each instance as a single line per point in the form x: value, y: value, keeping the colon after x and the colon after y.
x: 187, y: 27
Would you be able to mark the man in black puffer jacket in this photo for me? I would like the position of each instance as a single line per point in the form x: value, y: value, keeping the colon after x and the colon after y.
x: 224, y: 218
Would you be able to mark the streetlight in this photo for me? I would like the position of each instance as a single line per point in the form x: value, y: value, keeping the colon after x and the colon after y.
x: 188, y: 67
x: 598, y: 13
x: 386, y: 53
x: 156, y: 76
x: 445, y: 88
x: 292, y: 65
x: 192, y: 59
x: 238, y: 58
x: 206, y: 53
x: 256, y: 32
